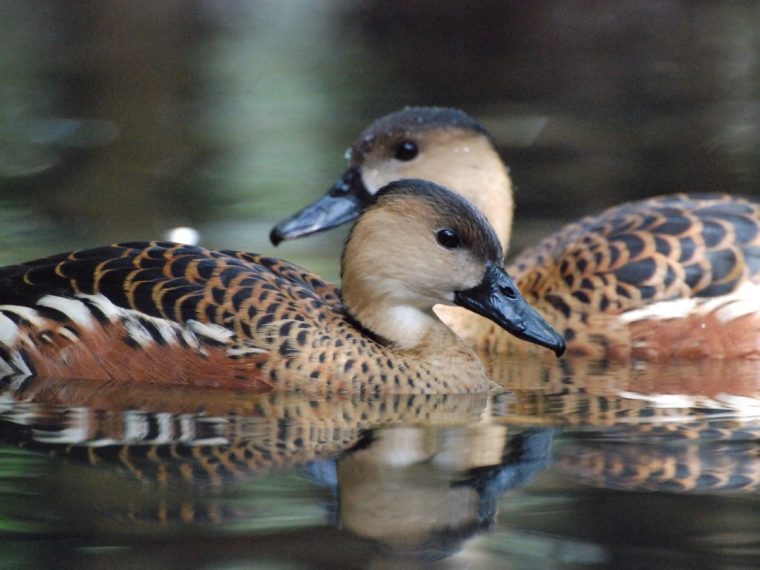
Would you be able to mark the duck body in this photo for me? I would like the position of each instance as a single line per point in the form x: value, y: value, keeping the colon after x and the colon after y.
x: 111, y: 312
x: 668, y: 277
x: 164, y: 312
x: 672, y: 276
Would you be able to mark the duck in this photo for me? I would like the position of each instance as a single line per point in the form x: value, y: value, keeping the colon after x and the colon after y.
x: 181, y: 314
x: 664, y: 278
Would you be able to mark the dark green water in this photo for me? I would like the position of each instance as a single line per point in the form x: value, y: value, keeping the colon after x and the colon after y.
x: 558, y: 472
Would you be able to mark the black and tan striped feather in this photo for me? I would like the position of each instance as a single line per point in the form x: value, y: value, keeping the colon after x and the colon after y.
x: 290, y: 328
x: 632, y: 256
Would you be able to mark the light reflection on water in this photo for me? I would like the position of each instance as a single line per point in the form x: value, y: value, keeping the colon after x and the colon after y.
x: 560, y: 470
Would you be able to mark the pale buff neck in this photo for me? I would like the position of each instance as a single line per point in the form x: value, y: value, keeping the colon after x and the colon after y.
x: 418, y: 336
x: 383, y: 286
x: 489, y: 187
x: 405, y: 326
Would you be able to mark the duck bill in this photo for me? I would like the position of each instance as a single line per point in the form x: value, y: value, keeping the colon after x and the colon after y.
x: 342, y: 203
x: 497, y: 298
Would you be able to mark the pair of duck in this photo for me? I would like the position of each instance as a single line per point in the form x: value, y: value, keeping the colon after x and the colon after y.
x: 669, y: 277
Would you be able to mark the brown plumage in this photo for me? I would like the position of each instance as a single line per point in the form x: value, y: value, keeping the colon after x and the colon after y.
x: 181, y: 314
x: 674, y: 276
x: 210, y: 437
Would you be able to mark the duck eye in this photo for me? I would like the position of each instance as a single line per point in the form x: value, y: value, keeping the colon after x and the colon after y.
x: 406, y: 151
x: 448, y: 239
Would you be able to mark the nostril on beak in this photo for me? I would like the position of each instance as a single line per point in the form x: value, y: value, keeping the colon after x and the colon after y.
x: 509, y: 292
x: 340, y: 189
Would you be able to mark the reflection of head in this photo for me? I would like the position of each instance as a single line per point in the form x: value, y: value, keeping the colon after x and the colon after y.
x: 423, y: 493
x: 412, y: 510
x: 440, y: 542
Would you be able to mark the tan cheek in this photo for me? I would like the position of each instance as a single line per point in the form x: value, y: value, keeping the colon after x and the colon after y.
x: 440, y: 167
x: 377, y: 174
x: 450, y: 273
x: 474, y: 276
x: 468, y: 273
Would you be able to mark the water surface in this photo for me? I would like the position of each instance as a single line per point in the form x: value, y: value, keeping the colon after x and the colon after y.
x: 576, y: 465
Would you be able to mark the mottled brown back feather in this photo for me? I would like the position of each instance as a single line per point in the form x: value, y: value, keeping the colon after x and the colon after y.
x: 290, y: 328
x: 666, y: 248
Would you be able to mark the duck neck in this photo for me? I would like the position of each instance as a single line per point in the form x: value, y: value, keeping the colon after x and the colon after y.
x: 489, y: 187
x: 417, y: 334
x: 501, y: 208
x: 480, y: 176
x: 421, y: 335
x: 404, y: 327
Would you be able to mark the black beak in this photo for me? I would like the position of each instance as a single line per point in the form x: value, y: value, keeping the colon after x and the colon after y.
x: 498, y: 299
x: 342, y: 203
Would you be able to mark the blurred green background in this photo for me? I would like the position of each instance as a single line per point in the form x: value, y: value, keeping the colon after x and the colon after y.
x: 120, y: 119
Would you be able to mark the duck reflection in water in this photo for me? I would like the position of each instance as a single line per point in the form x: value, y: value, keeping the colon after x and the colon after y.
x: 417, y: 475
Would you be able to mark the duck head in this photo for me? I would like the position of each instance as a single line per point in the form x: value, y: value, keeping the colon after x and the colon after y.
x: 417, y: 245
x: 445, y: 146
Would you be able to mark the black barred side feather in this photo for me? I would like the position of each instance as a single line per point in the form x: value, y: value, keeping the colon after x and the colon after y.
x: 173, y: 281
x: 670, y: 248
x: 261, y: 323
x: 664, y: 248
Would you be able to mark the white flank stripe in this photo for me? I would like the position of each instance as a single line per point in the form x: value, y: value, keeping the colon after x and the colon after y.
x: 744, y: 301
x: 209, y: 441
x: 186, y: 427
x: 165, y: 428
x: 245, y: 351
x: 20, y: 364
x: 168, y: 330
x: 135, y: 425
x: 111, y: 311
x: 138, y: 424
x: 6, y: 370
x: 102, y: 442
x: 137, y: 332
x: 679, y: 309
x: 8, y: 404
x: 26, y: 313
x: 214, y: 332
x: 191, y: 340
x: 80, y: 421
x: 747, y: 406
x: 68, y: 334
x: 74, y: 309
x: 664, y: 400
x: 8, y: 331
